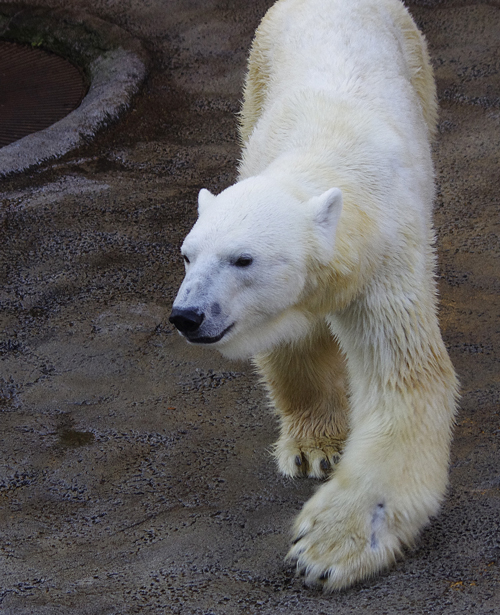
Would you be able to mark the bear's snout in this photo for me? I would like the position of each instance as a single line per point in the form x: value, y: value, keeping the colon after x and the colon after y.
x: 186, y: 320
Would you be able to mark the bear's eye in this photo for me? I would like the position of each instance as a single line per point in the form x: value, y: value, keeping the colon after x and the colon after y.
x: 186, y: 259
x: 243, y: 261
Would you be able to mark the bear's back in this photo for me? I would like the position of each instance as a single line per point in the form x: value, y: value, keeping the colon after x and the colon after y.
x: 357, y: 50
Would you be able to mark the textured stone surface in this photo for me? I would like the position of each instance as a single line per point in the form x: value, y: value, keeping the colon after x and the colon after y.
x: 135, y: 474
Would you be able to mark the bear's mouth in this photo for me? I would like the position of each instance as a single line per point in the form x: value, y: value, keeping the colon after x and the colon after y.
x: 209, y: 340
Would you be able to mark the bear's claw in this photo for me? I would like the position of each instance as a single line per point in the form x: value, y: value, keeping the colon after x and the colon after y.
x: 314, y: 459
x: 325, y: 465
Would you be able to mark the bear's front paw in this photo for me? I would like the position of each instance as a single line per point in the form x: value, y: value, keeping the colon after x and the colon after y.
x: 343, y: 537
x: 308, y: 457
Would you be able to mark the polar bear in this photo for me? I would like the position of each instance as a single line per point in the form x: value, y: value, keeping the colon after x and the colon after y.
x: 319, y: 265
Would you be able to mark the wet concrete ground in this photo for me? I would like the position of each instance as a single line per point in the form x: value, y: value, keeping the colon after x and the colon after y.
x: 135, y: 471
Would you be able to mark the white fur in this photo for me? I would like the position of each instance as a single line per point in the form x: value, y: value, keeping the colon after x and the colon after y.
x: 334, y: 206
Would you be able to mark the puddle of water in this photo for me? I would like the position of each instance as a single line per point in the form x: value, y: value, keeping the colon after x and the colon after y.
x: 73, y: 438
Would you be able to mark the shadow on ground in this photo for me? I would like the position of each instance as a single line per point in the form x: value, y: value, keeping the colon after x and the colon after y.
x: 135, y: 471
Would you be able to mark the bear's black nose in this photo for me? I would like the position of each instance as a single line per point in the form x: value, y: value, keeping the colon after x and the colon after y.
x: 187, y: 321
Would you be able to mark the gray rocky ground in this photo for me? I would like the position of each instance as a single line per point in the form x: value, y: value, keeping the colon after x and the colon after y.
x: 135, y: 471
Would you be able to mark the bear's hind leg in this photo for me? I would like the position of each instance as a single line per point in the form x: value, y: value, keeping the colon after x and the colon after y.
x: 306, y: 381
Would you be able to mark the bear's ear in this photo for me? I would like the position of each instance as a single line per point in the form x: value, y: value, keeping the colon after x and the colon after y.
x: 326, y: 210
x: 205, y: 197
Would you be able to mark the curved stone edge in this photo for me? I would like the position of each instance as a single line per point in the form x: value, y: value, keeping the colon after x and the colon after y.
x: 114, y: 63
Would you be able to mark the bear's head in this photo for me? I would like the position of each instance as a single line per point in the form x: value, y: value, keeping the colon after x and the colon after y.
x: 247, y: 262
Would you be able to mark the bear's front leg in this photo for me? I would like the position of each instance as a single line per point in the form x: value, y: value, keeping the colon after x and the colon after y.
x: 306, y: 381
x: 347, y: 531
x: 393, y: 473
x: 357, y: 523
